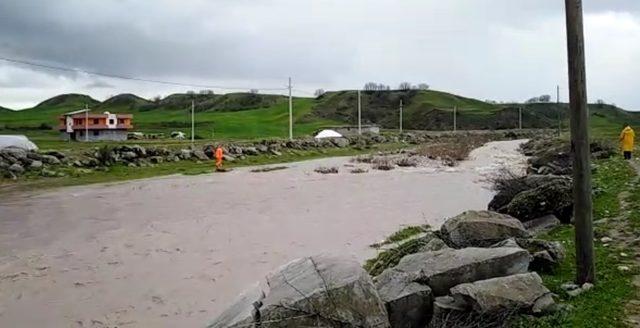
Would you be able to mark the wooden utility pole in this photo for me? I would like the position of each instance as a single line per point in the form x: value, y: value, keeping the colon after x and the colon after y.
x: 579, y: 121
x: 400, y: 116
x: 520, y: 118
x: 359, y: 114
x: 559, y: 110
x: 290, y: 112
x: 455, y: 122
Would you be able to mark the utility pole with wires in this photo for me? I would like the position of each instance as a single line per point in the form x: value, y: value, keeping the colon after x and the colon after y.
x: 455, y: 122
x: 86, y: 122
x: 359, y: 113
x: 400, y: 116
x: 559, y: 110
x: 579, y: 124
x: 520, y: 118
x: 290, y: 112
x: 193, y: 125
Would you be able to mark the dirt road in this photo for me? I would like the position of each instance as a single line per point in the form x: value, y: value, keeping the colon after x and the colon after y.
x: 174, y: 251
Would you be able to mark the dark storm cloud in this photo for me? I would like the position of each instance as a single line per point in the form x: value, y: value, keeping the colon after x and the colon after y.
x: 479, y: 48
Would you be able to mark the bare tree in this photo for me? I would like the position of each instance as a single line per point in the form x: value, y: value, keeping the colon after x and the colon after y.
x: 544, y: 98
x: 404, y: 86
x: 156, y: 99
x: 383, y: 87
x: 254, y: 91
x: 423, y: 86
x: 206, y: 92
x: 370, y: 86
x: 191, y: 92
x: 319, y: 92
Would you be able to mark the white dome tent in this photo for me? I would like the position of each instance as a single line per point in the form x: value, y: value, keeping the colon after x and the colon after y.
x: 328, y: 134
x: 18, y: 141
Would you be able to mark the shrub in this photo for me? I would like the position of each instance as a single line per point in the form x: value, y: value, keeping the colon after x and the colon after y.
x: 407, y: 161
x: 359, y: 170
x: 383, y: 164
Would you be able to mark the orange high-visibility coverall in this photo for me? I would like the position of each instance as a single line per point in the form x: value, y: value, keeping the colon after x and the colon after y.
x: 219, y: 155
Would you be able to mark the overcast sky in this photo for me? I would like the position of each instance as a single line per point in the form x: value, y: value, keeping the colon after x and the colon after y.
x: 503, y: 50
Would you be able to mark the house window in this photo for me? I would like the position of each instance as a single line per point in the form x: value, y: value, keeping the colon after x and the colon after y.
x: 96, y: 133
x: 111, y: 121
x: 120, y: 121
x: 96, y: 121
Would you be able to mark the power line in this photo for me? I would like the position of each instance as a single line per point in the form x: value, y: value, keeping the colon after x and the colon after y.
x: 131, y: 78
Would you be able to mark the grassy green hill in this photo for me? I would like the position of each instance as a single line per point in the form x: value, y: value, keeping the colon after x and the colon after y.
x: 248, y: 116
x: 433, y: 110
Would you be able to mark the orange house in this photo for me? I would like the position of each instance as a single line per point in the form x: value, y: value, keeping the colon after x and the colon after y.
x: 82, y: 125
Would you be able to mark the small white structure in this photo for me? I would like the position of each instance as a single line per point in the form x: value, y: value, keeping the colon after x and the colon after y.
x: 18, y: 141
x: 328, y: 134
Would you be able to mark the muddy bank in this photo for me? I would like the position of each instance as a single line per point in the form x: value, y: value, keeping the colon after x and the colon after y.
x: 171, y: 251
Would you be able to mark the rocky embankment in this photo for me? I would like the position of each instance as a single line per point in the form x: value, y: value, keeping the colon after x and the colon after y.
x: 16, y: 162
x: 480, y: 263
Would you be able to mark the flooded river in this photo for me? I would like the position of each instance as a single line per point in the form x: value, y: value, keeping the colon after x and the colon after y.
x: 174, y: 251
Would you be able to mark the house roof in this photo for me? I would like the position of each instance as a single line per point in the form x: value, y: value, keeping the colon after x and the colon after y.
x: 76, y: 112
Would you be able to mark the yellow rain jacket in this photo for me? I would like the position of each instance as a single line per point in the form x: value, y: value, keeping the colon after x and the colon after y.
x: 626, y: 139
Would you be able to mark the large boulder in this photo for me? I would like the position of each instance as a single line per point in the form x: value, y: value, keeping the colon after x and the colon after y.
x: 517, y: 293
x: 546, y: 256
x: 408, y: 303
x: 340, y: 142
x: 443, y: 269
x: 16, y: 169
x: 550, y: 198
x: 200, y: 155
x: 480, y: 229
x: 541, y: 225
x: 250, y: 151
x: 509, y: 188
x: 310, y: 292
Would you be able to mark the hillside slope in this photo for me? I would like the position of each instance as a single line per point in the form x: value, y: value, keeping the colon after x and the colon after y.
x: 433, y: 110
x: 247, y: 115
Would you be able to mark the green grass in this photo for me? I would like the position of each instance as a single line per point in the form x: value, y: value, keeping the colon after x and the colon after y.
x: 602, y: 306
x: 403, y: 234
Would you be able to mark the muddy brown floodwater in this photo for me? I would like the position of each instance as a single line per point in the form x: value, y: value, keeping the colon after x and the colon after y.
x: 175, y: 251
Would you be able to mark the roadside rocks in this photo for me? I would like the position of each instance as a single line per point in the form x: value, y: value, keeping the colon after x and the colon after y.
x: 480, y: 229
x: 546, y: 256
x: 314, y: 291
x: 550, y: 198
x: 521, y: 291
x: 443, y: 269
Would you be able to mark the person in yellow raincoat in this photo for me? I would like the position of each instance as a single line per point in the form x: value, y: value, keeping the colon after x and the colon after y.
x: 627, y: 137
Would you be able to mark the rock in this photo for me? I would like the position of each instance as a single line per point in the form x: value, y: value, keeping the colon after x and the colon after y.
x: 49, y: 159
x: 606, y: 240
x: 228, y: 158
x: 408, y: 303
x: 200, y: 155
x: 541, y: 225
x: 262, y: 148
x: 547, y: 255
x: 252, y: 151
x: 520, y: 292
x: 569, y: 286
x: 15, y: 152
x: 434, y: 244
x: 623, y: 268
x: 156, y: 159
x: 275, y: 152
x: 310, y: 292
x: 128, y: 155
x: 55, y: 153
x: 340, y: 142
x: 550, y: 198
x: 480, y: 229
x: 511, y: 242
x: 139, y: 150
x: 446, y: 304
x: 446, y: 268
x: 185, y: 153
x: 244, y: 311
x: 35, y: 165
x: 16, y: 169
x: 510, y: 188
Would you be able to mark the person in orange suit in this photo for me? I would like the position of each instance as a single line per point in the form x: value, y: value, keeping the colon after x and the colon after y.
x: 219, y: 154
x: 627, y: 137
